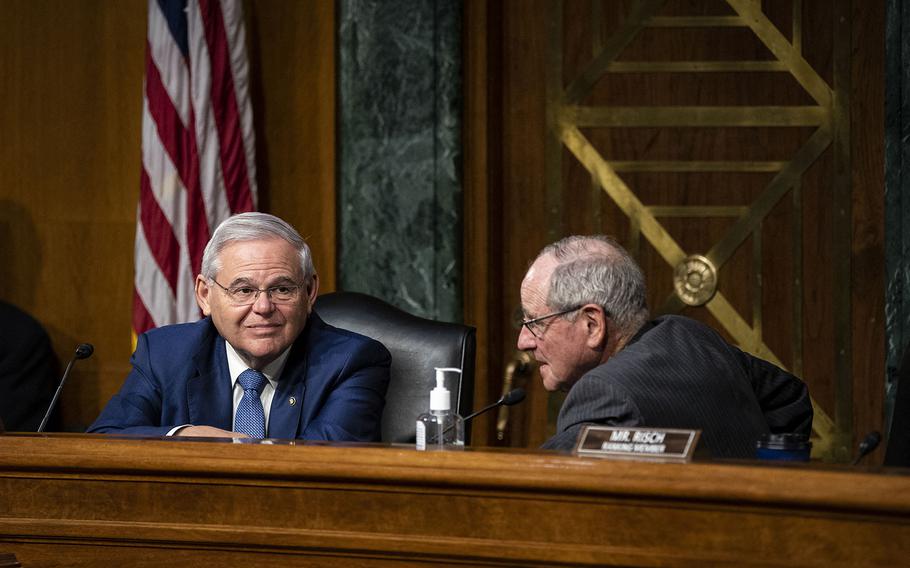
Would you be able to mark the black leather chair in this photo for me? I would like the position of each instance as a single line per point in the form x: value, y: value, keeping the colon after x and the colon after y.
x: 418, y: 345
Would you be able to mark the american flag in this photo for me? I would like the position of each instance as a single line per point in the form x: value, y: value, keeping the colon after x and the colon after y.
x: 198, y: 161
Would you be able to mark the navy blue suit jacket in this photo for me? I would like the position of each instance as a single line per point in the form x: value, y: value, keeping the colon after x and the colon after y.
x: 337, y: 380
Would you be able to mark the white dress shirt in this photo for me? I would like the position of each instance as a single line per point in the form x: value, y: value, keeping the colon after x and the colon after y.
x: 272, y: 373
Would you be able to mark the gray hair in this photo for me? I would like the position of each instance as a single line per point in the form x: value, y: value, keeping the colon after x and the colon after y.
x: 254, y: 227
x: 597, y: 270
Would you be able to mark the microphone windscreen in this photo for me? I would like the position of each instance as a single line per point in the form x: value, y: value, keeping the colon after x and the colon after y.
x: 871, y: 441
x: 84, y: 350
x: 514, y: 396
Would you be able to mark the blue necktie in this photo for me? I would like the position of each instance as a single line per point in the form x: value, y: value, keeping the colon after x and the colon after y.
x: 250, y: 418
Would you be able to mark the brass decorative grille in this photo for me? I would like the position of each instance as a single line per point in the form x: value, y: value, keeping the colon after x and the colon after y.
x: 827, y: 116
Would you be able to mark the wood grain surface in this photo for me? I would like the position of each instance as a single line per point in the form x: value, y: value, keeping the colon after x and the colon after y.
x: 90, y: 500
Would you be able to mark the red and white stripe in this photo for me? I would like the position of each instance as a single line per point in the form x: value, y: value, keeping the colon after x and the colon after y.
x: 198, y: 154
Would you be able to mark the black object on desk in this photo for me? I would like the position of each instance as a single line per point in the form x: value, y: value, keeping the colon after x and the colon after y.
x: 783, y: 447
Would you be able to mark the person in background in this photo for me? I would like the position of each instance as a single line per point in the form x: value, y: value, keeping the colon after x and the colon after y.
x: 28, y: 371
x: 261, y: 363
x: 587, y: 324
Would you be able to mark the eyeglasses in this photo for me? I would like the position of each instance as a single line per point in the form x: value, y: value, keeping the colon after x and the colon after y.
x: 246, y: 295
x: 535, y: 327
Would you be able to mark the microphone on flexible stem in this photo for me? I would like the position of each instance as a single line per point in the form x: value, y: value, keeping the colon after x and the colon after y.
x: 83, y: 351
x: 869, y: 443
x: 512, y: 397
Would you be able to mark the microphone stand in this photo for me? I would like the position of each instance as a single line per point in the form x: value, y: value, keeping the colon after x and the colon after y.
x: 83, y: 351
x: 510, y: 398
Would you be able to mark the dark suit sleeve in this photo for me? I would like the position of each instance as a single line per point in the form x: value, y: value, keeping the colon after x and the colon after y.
x: 136, y: 408
x: 353, y: 408
x: 28, y: 371
x: 592, y: 401
x: 783, y: 398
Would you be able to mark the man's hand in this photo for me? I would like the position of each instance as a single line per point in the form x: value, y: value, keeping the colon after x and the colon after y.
x: 208, y: 432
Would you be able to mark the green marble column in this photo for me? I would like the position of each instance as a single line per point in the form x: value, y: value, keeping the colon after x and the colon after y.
x: 400, y: 175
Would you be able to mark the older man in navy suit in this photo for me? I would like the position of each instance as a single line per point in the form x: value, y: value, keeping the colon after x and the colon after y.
x: 588, y: 326
x: 261, y: 363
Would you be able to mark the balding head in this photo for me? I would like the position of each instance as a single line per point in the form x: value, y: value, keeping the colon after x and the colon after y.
x: 597, y: 270
x: 582, y: 298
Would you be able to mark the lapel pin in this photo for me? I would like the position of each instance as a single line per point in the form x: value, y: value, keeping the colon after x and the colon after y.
x: 292, y: 401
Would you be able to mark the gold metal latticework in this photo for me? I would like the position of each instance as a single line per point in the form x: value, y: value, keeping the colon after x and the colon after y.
x: 696, y: 282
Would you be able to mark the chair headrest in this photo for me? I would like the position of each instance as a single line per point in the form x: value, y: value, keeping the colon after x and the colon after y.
x: 417, y: 346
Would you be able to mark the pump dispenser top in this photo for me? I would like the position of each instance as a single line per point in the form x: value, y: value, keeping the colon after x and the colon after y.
x: 440, y: 398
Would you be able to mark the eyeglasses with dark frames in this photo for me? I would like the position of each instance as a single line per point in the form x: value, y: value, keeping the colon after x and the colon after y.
x: 246, y: 295
x: 535, y: 327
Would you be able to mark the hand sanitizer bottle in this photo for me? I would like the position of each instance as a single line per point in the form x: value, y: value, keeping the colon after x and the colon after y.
x: 441, y: 428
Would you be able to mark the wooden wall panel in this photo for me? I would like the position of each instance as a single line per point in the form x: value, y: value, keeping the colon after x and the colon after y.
x: 868, y: 179
x: 293, y: 57
x: 70, y: 121
x: 523, y: 220
x: 481, y: 165
x: 69, y: 169
x: 806, y: 279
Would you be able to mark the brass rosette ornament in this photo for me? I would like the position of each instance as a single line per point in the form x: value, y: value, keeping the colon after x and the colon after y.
x: 695, y: 280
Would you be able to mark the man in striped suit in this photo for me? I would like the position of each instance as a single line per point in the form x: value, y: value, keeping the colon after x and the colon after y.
x: 587, y: 325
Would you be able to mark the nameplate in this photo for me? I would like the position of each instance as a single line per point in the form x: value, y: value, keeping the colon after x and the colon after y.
x: 658, y: 444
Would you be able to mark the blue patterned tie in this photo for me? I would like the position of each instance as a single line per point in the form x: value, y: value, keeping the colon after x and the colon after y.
x: 250, y: 418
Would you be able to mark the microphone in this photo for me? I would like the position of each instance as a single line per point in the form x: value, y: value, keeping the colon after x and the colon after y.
x: 512, y: 397
x: 869, y: 443
x: 83, y: 351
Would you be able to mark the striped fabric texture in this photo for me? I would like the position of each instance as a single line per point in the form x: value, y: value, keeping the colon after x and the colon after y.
x: 198, y: 155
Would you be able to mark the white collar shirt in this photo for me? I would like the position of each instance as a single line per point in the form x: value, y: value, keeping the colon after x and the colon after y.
x: 272, y: 373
